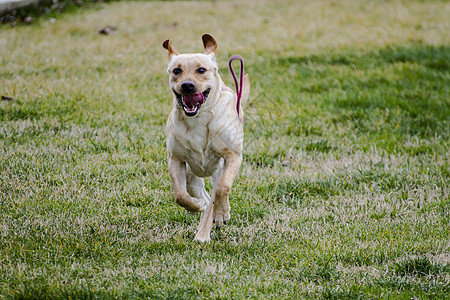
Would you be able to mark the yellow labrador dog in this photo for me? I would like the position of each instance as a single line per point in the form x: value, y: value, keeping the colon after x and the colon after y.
x: 204, y: 134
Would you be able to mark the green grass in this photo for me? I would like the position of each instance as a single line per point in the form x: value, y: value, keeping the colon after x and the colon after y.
x: 343, y: 192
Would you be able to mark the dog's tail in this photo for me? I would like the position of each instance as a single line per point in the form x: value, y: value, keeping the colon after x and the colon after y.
x: 245, y: 90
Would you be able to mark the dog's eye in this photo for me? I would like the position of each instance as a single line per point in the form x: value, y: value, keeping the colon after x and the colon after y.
x: 176, y: 71
x: 201, y: 70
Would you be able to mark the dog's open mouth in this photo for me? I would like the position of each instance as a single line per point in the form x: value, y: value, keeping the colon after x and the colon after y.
x: 191, y: 102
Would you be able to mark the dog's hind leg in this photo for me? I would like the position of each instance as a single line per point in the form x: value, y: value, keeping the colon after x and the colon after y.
x: 195, y: 186
x: 205, y: 226
x: 178, y: 173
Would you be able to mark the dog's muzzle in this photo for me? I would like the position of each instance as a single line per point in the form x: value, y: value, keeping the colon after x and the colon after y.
x: 191, y: 102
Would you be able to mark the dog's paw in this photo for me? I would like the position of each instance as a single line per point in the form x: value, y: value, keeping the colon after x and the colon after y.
x: 196, y: 205
x: 191, y: 204
x: 202, y: 238
x: 221, y: 216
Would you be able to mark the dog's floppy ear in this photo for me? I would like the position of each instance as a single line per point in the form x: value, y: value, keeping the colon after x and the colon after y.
x: 168, y: 45
x: 210, y: 44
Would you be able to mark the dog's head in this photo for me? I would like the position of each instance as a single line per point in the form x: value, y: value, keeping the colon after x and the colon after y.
x: 193, y: 77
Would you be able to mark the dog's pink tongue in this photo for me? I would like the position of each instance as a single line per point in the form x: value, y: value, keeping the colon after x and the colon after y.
x: 192, y: 100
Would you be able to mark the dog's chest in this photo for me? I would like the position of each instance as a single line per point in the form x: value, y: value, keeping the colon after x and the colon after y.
x: 195, y: 146
x: 196, y: 139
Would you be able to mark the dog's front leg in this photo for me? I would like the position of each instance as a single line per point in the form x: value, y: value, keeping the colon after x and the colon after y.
x: 222, y: 186
x: 219, y: 208
x: 177, y: 170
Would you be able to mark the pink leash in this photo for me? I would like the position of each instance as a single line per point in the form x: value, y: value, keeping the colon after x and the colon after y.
x: 241, y: 78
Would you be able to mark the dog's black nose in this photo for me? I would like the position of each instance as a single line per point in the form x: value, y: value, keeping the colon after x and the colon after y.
x: 188, y: 87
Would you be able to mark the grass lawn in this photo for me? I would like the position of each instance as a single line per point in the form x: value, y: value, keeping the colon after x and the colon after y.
x: 344, y: 188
